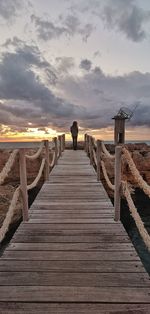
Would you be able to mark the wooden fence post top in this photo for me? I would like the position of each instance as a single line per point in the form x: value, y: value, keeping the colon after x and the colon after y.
x: 23, y: 183
x: 99, y: 142
x: 118, y: 149
x: 117, y: 194
x: 46, y: 143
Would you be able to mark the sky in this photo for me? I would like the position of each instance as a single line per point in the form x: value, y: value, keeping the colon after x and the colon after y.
x: 69, y: 60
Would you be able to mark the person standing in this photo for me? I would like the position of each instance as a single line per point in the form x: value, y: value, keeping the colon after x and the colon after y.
x: 74, y: 133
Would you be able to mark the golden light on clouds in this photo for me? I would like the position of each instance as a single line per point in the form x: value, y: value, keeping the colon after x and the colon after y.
x: 37, y: 134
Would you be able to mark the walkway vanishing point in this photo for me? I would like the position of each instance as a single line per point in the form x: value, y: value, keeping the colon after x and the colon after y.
x: 71, y: 256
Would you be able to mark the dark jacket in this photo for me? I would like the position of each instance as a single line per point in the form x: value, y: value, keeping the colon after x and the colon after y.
x: 74, y: 130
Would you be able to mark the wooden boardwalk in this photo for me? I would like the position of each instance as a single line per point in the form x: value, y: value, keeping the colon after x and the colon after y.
x: 71, y: 257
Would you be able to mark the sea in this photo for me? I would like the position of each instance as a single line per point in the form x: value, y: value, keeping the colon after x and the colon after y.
x: 17, y: 145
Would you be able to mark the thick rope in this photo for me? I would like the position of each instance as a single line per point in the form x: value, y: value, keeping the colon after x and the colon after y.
x: 106, y: 152
x: 37, y: 154
x: 139, y: 223
x: 53, y: 161
x: 111, y: 186
x: 142, y: 184
x: 5, y: 226
x: 94, y: 143
x: 8, y: 166
x: 35, y: 182
x: 94, y: 157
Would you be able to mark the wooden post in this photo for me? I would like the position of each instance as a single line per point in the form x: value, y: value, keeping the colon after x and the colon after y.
x: 85, y: 142
x: 90, y: 149
x: 23, y: 183
x: 117, y: 196
x: 56, y: 149
x: 63, y: 142
x: 46, y: 143
x: 88, y: 145
x: 98, y: 155
x: 60, y: 144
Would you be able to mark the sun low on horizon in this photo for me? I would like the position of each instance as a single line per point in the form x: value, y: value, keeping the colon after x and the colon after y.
x: 73, y: 60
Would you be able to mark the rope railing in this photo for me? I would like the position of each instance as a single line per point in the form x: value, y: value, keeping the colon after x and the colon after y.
x: 106, y: 152
x: 138, y: 221
x: 37, y: 154
x: 97, y: 152
x: 10, y: 213
x: 23, y: 188
x: 8, y: 166
x: 94, y: 156
x: 97, y: 158
x: 138, y: 178
x: 52, y: 163
x: 109, y: 183
x: 37, y: 179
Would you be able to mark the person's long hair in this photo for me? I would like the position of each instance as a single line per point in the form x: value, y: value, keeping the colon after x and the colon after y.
x: 74, y: 123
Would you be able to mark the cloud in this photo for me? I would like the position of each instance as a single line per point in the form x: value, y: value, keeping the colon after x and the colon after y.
x: 28, y: 55
x: 9, y: 8
x: 25, y: 97
x: 73, y: 26
x: 126, y: 17
x: 96, y: 54
x: 93, y: 98
x: 70, y: 26
x: 46, y: 30
x: 64, y: 64
x: 103, y: 95
x: 86, y: 64
x: 14, y: 42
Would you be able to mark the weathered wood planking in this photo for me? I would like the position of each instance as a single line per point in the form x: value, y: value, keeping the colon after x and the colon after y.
x: 71, y: 257
x: 72, y: 308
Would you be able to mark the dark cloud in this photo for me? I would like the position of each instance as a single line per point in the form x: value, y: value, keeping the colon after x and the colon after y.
x: 69, y: 26
x: 28, y: 55
x: 46, y: 30
x: 15, y: 42
x: 25, y: 96
x: 74, y: 26
x: 103, y: 95
x: 126, y: 17
x: 9, y: 8
x: 86, y: 64
x: 93, y: 98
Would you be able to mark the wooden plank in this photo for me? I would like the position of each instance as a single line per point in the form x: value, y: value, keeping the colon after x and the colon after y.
x: 71, y: 203
x: 74, y: 294
x: 72, y: 308
x: 74, y: 279
x: 72, y: 221
x: 69, y: 216
x: 47, y: 231
x: 98, y: 241
x: 101, y: 204
x: 103, y: 227
x: 72, y: 251
x: 77, y: 179
x: 69, y: 211
x: 72, y: 255
x: 96, y: 246
x: 72, y: 266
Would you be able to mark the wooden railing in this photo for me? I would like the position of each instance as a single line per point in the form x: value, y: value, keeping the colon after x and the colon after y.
x: 55, y: 148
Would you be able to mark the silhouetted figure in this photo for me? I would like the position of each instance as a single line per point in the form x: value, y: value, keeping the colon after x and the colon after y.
x: 74, y: 133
